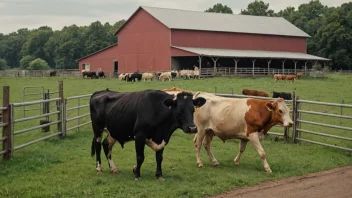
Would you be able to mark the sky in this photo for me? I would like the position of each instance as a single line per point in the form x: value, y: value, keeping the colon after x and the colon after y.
x: 31, y: 14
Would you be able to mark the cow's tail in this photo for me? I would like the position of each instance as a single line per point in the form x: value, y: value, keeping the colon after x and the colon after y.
x: 93, y: 147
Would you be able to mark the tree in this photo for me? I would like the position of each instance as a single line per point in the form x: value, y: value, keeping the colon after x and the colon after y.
x: 24, y: 62
x: 258, y: 8
x: 219, y: 8
x: 3, y: 64
x: 38, y: 64
x: 96, y: 38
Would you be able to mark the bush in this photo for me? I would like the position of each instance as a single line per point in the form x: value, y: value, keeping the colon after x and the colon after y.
x: 3, y: 64
x: 24, y: 62
x: 38, y: 64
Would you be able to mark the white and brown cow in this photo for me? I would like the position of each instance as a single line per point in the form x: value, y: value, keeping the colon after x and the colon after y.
x: 233, y: 118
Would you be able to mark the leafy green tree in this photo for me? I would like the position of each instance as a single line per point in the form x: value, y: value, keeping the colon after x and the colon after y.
x: 24, y: 62
x: 96, y: 38
x: 258, y: 8
x: 38, y: 64
x: 219, y: 8
x: 3, y: 64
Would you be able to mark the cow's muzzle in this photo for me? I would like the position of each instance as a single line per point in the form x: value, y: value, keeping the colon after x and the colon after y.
x: 192, y: 129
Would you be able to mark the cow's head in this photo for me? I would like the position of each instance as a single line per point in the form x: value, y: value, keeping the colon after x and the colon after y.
x: 280, y: 112
x: 183, y: 107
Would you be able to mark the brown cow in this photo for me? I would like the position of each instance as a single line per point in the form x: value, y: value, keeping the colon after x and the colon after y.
x: 299, y: 75
x: 233, y: 118
x: 290, y: 78
x: 254, y: 93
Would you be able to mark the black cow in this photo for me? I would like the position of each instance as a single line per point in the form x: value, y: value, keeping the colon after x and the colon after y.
x: 135, y: 76
x: 143, y: 116
x: 101, y: 74
x: 173, y: 74
x: 89, y: 74
x: 284, y: 95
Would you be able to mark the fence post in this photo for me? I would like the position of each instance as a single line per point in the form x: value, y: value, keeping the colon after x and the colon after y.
x: 6, y: 118
x: 294, y: 115
x: 232, y: 91
x: 60, y: 108
x: 342, y: 102
x: 78, y: 120
x: 297, y: 117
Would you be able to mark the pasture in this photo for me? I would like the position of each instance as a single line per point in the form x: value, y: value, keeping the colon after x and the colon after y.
x: 64, y: 168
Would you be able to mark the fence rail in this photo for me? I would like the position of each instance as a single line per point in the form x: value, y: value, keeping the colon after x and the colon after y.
x: 72, y: 111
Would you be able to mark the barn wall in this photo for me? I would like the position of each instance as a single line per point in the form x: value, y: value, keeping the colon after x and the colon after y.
x: 144, y: 45
x: 241, y: 41
x: 104, y: 60
x: 177, y: 52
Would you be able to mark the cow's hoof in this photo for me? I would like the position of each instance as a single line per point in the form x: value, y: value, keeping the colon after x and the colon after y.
x: 268, y: 171
x: 115, y: 171
x: 134, y: 169
x: 200, y: 165
x: 236, y: 163
x: 161, y: 178
x: 137, y: 179
x: 216, y: 163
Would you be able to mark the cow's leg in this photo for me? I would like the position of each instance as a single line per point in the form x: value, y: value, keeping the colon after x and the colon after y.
x: 159, y: 160
x: 206, y: 142
x: 139, y: 145
x: 108, y: 143
x: 97, y: 145
x: 198, y: 139
x: 243, y: 145
x: 253, y: 137
x: 156, y: 147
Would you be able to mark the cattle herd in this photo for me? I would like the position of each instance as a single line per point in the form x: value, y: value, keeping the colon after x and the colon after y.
x: 289, y: 78
x: 150, y: 117
x: 162, y: 76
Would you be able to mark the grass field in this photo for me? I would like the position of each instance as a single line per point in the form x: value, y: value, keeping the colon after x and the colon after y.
x: 64, y: 168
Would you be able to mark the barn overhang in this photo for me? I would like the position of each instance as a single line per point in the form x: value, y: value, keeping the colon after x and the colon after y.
x: 253, y: 54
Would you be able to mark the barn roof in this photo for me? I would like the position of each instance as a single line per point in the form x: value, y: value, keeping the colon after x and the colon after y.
x: 209, y: 21
x: 250, y: 53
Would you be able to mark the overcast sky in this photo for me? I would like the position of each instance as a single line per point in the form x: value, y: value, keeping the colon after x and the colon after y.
x: 15, y: 14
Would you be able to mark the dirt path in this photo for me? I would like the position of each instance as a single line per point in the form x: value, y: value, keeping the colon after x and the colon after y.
x: 334, y: 183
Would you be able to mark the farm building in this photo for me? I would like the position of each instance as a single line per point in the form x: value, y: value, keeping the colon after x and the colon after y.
x: 161, y: 39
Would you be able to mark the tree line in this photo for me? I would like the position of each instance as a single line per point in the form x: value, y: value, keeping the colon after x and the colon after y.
x: 330, y: 29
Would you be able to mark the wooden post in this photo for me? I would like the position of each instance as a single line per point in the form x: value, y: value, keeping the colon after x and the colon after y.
x: 236, y: 61
x: 283, y: 66
x: 253, y: 61
x: 200, y: 65
x: 6, y: 119
x: 295, y: 66
x: 215, y: 65
x: 60, y: 108
x: 269, y: 62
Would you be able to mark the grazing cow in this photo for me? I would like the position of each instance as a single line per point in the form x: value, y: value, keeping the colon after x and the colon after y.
x: 254, y: 93
x: 147, y: 117
x: 246, y: 119
x: 165, y: 76
x: 279, y: 77
x: 101, y: 74
x: 122, y: 76
x: 89, y: 74
x: 134, y: 76
x: 53, y: 73
x: 299, y: 75
x: 284, y: 95
x: 290, y: 78
x: 196, y: 72
x: 147, y: 76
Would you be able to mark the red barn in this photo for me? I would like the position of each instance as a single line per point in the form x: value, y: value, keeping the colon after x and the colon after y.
x: 160, y: 39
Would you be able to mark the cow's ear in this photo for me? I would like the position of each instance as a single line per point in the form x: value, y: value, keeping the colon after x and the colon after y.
x: 270, y: 106
x: 168, y: 102
x: 198, y: 102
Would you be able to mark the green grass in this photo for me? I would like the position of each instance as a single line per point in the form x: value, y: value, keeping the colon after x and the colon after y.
x: 64, y: 168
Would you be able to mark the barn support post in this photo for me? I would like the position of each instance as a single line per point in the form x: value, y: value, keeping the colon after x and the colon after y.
x: 253, y: 61
x: 305, y: 68
x: 295, y: 65
x: 236, y: 61
x: 283, y: 66
x: 6, y: 119
x: 214, y: 59
x: 269, y: 62
x: 200, y: 65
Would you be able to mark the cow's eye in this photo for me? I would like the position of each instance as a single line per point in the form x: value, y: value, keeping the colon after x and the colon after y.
x: 280, y: 111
